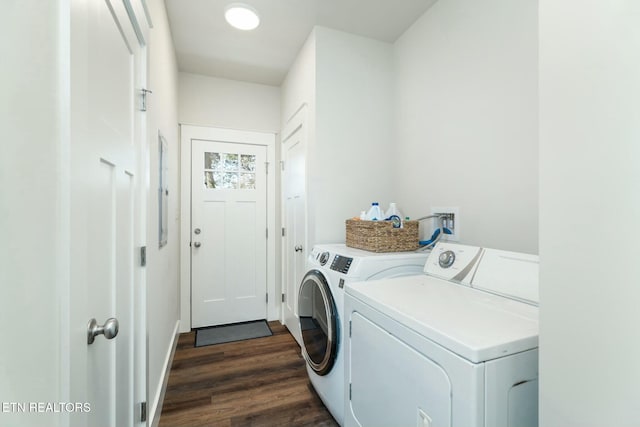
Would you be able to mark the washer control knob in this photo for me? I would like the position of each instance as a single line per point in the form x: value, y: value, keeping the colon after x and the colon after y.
x: 324, y: 257
x: 446, y: 259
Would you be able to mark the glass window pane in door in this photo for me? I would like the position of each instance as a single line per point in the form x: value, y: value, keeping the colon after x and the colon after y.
x: 209, y: 180
x: 230, y: 162
x: 247, y: 163
x: 229, y: 171
x: 211, y: 160
x: 226, y: 180
x: 247, y: 181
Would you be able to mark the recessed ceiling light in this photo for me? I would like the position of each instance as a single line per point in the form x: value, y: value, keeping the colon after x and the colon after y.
x: 242, y: 16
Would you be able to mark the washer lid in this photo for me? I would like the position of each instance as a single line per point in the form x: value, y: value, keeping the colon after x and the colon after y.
x: 476, y: 325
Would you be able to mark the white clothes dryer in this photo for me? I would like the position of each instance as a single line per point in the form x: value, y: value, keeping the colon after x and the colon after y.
x: 321, y: 307
x: 456, y: 346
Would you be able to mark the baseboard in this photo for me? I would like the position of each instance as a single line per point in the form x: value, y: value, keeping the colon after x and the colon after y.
x: 159, y: 398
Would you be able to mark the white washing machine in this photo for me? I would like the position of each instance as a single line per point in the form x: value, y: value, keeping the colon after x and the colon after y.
x: 321, y: 308
x: 456, y: 346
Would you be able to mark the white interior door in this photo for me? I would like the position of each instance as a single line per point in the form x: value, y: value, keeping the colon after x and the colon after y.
x: 229, y: 232
x: 295, y: 239
x: 103, y: 207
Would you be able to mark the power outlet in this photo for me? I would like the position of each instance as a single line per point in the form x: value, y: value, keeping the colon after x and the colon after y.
x: 452, y: 222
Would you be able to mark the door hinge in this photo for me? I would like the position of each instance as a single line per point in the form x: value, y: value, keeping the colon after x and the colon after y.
x: 267, y: 296
x: 145, y: 92
x: 283, y: 232
x: 267, y: 233
x: 282, y: 297
x: 349, y: 391
x: 349, y: 328
x: 282, y: 165
x: 266, y: 167
x: 143, y: 256
x: 143, y: 412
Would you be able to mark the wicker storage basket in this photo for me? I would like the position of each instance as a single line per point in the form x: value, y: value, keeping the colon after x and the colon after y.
x: 380, y: 236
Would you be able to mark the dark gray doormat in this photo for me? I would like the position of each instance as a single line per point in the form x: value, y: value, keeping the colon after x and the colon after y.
x: 233, y: 332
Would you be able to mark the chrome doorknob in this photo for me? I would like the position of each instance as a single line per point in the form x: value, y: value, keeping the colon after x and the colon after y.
x: 197, y: 244
x: 298, y: 248
x: 109, y: 329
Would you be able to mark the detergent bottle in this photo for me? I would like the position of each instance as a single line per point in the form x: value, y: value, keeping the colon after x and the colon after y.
x: 374, y: 213
x: 393, y: 210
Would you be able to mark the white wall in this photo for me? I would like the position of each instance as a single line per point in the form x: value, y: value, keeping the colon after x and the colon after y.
x: 163, y: 297
x: 299, y: 86
x: 34, y: 253
x: 466, y: 119
x: 346, y: 82
x: 210, y: 101
x: 350, y: 165
x: 589, y: 213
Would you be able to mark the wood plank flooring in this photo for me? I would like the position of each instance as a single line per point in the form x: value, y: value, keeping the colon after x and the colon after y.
x: 258, y: 382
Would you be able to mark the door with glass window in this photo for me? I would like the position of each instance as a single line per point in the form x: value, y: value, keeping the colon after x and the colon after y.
x: 229, y: 232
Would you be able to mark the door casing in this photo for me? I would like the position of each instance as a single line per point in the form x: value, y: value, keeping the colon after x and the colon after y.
x: 187, y: 134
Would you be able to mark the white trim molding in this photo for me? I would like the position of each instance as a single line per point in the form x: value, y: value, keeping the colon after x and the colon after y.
x: 158, y: 399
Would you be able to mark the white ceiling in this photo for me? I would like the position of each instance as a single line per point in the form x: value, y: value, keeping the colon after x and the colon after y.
x: 206, y: 44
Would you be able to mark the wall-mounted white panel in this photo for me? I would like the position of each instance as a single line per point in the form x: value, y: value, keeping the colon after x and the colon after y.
x: 589, y: 175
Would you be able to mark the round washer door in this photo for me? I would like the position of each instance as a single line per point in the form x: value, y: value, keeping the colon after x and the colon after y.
x: 317, y: 312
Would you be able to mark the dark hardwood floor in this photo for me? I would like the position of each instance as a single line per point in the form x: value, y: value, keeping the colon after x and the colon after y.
x: 258, y: 382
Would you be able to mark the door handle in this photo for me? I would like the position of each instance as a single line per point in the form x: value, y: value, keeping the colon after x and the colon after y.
x: 197, y: 244
x: 109, y: 329
x: 298, y: 248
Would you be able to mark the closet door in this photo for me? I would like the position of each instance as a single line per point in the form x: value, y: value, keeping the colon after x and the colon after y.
x: 295, y: 217
x: 107, y: 62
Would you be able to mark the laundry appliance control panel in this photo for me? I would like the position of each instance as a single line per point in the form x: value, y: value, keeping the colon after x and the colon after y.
x: 453, y: 262
x: 509, y: 274
x: 341, y: 264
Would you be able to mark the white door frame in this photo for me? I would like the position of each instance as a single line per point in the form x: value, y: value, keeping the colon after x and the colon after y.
x: 188, y: 133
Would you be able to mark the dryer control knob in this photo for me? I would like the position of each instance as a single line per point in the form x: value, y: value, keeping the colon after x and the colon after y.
x: 446, y: 259
x: 324, y: 257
